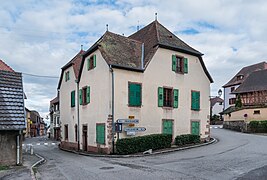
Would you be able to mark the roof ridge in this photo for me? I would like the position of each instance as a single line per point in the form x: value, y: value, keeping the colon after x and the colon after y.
x: 125, y: 37
x: 7, y: 66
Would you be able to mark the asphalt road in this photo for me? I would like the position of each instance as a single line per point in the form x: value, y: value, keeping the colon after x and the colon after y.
x: 234, y: 156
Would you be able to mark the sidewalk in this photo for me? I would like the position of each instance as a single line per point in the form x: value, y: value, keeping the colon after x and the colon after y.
x: 20, y: 172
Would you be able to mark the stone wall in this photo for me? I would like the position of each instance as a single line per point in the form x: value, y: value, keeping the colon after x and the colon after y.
x: 240, y: 126
x: 8, y: 147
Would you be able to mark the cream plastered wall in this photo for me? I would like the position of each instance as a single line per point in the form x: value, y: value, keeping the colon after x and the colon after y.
x: 158, y: 74
x: 68, y: 114
x: 239, y: 115
x: 228, y: 95
x: 97, y: 111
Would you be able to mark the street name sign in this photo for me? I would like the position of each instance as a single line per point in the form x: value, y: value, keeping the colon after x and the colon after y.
x: 135, y: 129
x: 128, y: 121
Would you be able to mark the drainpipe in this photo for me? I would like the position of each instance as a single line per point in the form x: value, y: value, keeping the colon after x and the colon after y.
x: 78, y: 116
x: 142, y: 57
x: 112, y: 107
x: 18, y: 148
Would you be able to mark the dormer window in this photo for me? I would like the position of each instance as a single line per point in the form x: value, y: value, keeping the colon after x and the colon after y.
x: 67, y: 76
x: 179, y: 64
x: 239, y: 77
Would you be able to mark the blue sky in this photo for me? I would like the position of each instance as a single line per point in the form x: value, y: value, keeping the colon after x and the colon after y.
x: 40, y: 36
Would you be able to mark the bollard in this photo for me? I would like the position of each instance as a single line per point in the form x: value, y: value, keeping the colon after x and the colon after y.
x: 31, y: 149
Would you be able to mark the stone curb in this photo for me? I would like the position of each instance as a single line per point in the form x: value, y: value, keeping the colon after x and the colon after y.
x: 35, y: 164
x: 142, y: 155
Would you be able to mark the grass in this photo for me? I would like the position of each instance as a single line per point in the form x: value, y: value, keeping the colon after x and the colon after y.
x: 2, y: 168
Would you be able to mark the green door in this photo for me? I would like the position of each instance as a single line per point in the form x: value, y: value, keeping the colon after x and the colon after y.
x: 195, y: 128
x: 167, y: 126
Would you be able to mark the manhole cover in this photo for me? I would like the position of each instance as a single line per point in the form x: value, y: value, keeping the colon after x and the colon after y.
x: 105, y: 168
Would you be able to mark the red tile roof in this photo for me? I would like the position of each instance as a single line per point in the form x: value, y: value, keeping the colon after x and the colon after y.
x: 5, y: 67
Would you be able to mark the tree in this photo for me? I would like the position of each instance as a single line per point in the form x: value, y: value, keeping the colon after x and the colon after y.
x: 238, y: 103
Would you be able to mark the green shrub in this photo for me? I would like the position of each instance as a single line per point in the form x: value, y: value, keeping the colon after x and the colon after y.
x: 143, y: 143
x: 258, y: 126
x: 186, y: 139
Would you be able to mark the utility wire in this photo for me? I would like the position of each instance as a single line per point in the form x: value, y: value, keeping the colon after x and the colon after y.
x: 40, y: 76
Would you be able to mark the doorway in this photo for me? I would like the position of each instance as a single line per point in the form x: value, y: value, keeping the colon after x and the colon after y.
x: 85, y: 137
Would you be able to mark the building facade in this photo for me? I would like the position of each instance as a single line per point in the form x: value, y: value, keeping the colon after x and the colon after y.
x: 55, y: 125
x: 151, y: 76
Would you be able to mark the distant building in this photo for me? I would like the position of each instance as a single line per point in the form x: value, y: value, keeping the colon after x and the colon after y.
x: 237, y: 80
x: 36, y: 121
x: 12, y: 115
x: 216, y: 105
x: 152, y: 76
x: 28, y: 123
x: 55, y: 127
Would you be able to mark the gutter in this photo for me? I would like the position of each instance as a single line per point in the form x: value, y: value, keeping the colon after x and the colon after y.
x: 18, y: 148
x: 112, y: 107
x: 78, y: 116
x: 142, y: 57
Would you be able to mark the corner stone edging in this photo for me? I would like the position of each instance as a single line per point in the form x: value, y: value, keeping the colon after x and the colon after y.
x: 141, y: 155
x: 35, y: 164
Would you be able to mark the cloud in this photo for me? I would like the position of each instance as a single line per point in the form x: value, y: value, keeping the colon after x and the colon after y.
x: 39, y: 37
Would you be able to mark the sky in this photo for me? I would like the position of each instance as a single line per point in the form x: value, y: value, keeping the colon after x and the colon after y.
x: 38, y: 37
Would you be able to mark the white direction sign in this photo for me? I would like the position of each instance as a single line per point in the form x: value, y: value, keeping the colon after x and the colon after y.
x: 128, y: 121
x: 135, y: 129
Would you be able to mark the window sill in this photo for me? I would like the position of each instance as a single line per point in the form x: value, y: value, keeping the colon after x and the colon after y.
x: 134, y: 106
x: 195, y: 110
x: 168, y: 108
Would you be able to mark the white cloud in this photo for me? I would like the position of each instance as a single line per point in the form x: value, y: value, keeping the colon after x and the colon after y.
x: 39, y: 37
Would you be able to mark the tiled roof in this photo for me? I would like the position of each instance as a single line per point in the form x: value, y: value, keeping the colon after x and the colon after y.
x: 256, y: 81
x: 55, y: 100
x: 213, y: 101
x: 5, y: 67
x: 11, y: 101
x: 245, y: 71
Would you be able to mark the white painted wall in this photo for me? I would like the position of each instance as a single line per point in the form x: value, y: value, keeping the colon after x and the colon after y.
x: 68, y: 114
x: 228, y: 95
x: 217, y: 108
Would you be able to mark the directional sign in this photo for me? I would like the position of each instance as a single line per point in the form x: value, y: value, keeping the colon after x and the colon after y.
x: 135, y: 129
x: 128, y: 121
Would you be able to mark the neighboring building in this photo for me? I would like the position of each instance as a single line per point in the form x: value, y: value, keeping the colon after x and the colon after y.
x: 216, y: 105
x: 253, y: 95
x: 12, y: 116
x: 28, y: 122
x: 152, y: 76
x: 237, y: 80
x: 54, y: 119
x: 36, y: 120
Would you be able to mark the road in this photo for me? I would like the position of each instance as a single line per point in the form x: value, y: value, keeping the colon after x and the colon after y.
x: 234, y: 156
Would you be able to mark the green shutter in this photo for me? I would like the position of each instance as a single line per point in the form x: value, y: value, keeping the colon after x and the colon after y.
x: 195, y: 100
x: 174, y: 63
x: 88, y: 64
x: 66, y: 78
x: 167, y: 127
x: 100, y: 133
x: 175, y: 98
x: 134, y: 94
x: 81, y: 96
x: 94, y: 60
x: 73, y: 99
x: 160, y: 96
x: 185, y: 65
x: 88, y: 95
x: 138, y: 94
x: 195, y: 128
x: 131, y: 94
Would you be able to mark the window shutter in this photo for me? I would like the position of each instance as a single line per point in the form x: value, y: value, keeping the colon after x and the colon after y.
x: 160, y: 96
x: 73, y: 99
x: 138, y: 95
x: 185, y: 65
x: 174, y: 63
x: 197, y: 100
x: 131, y: 94
x: 94, y: 60
x: 175, y: 98
x: 100, y: 133
x: 81, y: 96
x: 65, y: 76
x: 88, y: 64
x: 193, y: 103
x: 88, y: 94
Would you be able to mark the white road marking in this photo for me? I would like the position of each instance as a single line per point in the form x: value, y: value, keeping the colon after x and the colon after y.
x: 38, y: 144
x: 22, y: 144
x: 45, y: 143
x: 53, y: 143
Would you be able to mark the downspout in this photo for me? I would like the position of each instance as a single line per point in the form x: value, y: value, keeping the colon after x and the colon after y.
x: 78, y: 116
x: 112, y: 107
x: 142, y: 57
x: 18, y: 148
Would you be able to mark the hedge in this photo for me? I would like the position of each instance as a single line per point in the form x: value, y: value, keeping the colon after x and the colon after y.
x: 186, y: 139
x: 258, y: 126
x: 143, y: 143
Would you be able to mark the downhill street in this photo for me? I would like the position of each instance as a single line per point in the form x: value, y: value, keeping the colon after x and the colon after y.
x: 235, y: 155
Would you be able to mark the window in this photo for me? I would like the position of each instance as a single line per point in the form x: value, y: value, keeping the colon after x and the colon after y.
x: 195, y: 100
x: 257, y: 112
x: 167, y: 126
x: 239, y: 77
x: 76, y: 132
x: 179, y: 64
x: 66, y: 131
x: 168, y: 97
x: 134, y: 94
x: 72, y: 99
x: 100, y: 133
x: 91, y: 62
x: 67, y: 76
x: 220, y: 103
x: 232, y: 101
x: 84, y: 95
x: 232, y: 89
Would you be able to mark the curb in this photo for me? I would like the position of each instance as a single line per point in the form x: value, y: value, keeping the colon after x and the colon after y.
x: 141, y: 155
x: 33, y: 175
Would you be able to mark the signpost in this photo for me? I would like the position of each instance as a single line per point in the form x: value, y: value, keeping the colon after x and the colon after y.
x: 135, y: 129
x: 128, y: 121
